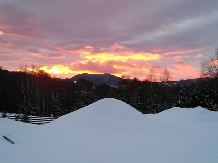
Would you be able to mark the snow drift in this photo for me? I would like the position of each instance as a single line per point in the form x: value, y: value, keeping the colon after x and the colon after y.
x: 110, y: 131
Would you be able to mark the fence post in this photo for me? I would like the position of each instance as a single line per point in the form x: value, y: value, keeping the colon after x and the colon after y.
x: 31, y: 118
x: 51, y: 117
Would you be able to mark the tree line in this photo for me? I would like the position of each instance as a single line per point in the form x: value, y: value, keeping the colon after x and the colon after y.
x: 39, y: 94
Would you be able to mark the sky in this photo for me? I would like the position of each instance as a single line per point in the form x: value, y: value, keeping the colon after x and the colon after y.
x: 120, y: 37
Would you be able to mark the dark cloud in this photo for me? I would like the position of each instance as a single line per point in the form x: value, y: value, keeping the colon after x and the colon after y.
x: 6, y: 56
x: 4, y: 42
x: 39, y: 53
x: 18, y: 23
x: 32, y: 50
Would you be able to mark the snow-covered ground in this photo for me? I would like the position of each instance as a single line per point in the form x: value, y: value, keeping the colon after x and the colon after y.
x: 110, y: 131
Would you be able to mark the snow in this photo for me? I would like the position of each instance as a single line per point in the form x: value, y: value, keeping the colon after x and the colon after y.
x: 110, y: 131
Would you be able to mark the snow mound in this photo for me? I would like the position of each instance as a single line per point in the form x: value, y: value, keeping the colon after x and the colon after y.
x: 103, y: 111
x: 186, y: 117
x: 112, y: 131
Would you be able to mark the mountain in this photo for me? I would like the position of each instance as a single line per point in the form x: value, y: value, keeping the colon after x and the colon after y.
x: 98, y: 79
x: 111, y: 131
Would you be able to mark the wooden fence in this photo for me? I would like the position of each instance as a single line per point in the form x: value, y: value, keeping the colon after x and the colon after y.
x: 31, y: 119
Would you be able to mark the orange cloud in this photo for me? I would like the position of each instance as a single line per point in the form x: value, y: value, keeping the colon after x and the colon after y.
x: 117, y: 68
x: 215, y: 62
x: 184, y: 71
x: 116, y: 59
x: 119, y: 52
x: 107, y: 54
x: 180, y: 64
x: 95, y: 67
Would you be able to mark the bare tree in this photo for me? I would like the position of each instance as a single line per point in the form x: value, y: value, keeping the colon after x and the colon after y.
x: 209, y: 68
x: 216, y: 53
x: 165, y: 76
x: 151, y: 79
x: 151, y: 75
x: 125, y: 77
x: 2, y: 68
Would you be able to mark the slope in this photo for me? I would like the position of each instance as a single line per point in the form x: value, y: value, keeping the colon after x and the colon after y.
x: 112, y: 131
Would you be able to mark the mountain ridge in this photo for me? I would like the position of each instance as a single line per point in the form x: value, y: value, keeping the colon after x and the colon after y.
x: 111, y: 80
x: 98, y: 79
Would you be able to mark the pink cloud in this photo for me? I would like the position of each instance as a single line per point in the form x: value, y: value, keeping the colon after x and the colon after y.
x: 199, y: 56
x: 168, y: 51
x: 95, y: 67
x: 116, y: 47
x: 71, y: 48
x: 178, y: 58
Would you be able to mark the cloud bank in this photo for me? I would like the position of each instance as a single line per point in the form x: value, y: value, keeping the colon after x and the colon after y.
x: 118, y: 37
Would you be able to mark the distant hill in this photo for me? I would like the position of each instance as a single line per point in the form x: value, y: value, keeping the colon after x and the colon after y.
x: 111, y: 80
x: 189, y: 82
x: 98, y: 79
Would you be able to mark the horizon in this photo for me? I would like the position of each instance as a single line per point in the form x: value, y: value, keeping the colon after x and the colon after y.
x: 55, y: 72
x: 66, y: 38
x: 62, y: 76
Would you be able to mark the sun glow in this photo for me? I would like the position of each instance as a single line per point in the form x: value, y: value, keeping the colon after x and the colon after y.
x: 58, y: 71
x: 124, y: 56
x: 30, y: 69
x: 1, y: 33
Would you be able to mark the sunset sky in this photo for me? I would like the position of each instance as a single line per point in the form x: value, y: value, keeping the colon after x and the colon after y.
x: 120, y: 37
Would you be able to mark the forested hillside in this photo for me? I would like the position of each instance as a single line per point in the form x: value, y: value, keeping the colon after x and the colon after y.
x: 39, y: 94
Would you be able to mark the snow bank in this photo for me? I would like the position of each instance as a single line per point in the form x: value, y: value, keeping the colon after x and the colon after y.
x: 112, y: 131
